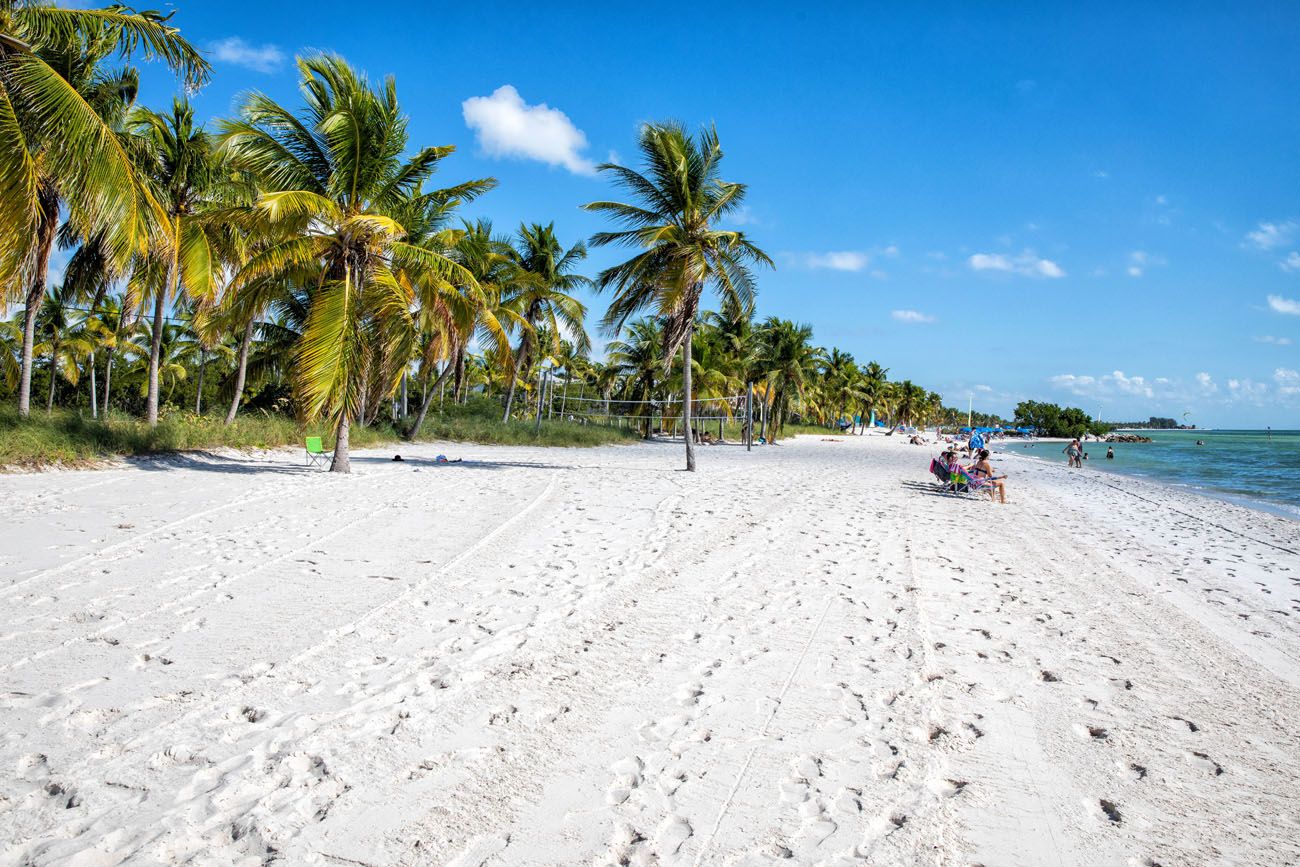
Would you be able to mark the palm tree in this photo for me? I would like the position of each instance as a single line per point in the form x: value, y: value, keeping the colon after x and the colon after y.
x: 679, y: 199
x: 541, y: 294
x: 789, y: 362
x: 637, y: 359
x: 190, y: 182
x: 450, y: 319
x: 334, y: 183
x: 63, y: 339
x: 871, y: 390
x: 59, y: 144
x: 840, y: 377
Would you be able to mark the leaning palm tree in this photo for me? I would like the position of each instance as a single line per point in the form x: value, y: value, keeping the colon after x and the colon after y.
x: 680, y: 197
x: 334, y: 185
x: 59, y: 146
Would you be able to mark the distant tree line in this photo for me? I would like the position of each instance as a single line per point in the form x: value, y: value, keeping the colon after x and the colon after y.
x: 1155, y: 423
x: 1055, y: 421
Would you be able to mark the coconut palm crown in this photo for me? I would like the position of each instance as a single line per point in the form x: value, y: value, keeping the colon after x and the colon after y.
x: 680, y: 197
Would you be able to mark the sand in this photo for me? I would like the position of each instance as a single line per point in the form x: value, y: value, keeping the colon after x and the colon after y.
x: 804, y: 654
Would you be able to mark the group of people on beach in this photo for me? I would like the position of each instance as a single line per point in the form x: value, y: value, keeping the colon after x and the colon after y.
x: 979, y: 470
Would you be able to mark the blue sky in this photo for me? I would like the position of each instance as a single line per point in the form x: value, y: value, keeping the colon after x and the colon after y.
x: 1096, y: 206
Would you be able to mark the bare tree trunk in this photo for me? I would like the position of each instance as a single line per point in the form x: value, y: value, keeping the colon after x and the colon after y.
x: 686, y: 397
x: 198, y: 397
x: 406, y: 409
x: 108, y: 380
x: 49, y: 222
x: 155, y: 347
x: 458, y: 378
x: 510, y: 395
x: 414, y: 430
x: 241, y: 370
x: 54, y: 372
x: 564, y: 395
x: 94, y: 404
x: 341, y: 462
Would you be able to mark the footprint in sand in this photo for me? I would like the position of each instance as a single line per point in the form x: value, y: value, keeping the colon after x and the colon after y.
x: 627, y: 777
x: 672, y: 833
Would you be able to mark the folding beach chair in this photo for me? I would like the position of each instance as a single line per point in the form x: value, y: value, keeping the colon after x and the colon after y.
x: 316, y: 454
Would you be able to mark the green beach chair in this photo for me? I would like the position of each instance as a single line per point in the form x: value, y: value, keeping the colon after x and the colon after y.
x: 316, y: 453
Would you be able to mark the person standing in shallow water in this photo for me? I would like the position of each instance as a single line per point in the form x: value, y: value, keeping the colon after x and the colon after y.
x: 1074, y: 453
x: 1110, y: 453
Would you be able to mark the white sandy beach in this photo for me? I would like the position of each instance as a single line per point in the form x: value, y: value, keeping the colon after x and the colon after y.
x: 549, y: 656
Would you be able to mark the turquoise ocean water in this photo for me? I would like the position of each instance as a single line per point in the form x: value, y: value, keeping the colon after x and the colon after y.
x: 1246, y: 466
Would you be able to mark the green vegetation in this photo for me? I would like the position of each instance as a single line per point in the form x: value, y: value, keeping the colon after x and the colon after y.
x: 295, y: 265
x: 1051, y: 420
x: 66, y: 437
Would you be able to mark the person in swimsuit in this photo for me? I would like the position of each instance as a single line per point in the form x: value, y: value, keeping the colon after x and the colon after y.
x: 982, y: 469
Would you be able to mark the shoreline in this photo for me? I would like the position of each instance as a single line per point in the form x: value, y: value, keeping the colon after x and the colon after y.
x: 1255, y: 503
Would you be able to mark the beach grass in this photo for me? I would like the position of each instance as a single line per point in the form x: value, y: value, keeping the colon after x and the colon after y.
x: 71, y: 438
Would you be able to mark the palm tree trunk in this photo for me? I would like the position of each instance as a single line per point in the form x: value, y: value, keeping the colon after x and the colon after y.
x: 241, y: 370
x: 564, y: 395
x: 198, y: 397
x: 510, y: 395
x: 686, y: 398
x: 49, y: 222
x: 108, y: 379
x: 405, y: 406
x: 341, y: 462
x: 54, y: 371
x: 94, y: 404
x: 155, y: 347
x: 427, y: 402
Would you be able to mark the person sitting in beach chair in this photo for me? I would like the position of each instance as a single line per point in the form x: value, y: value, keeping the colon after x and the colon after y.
x: 316, y: 454
x: 982, y: 472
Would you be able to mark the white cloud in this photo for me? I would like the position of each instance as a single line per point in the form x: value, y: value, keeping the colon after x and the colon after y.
x: 1291, y: 262
x: 840, y: 260
x: 259, y: 58
x: 1140, y: 260
x: 506, y: 126
x: 1269, y: 236
x: 1276, y: 341
x: 913, y: 317
x: 984, y: 388
x: 742, y: 216
x: 892, y: 250
x: 1027, y: 264
x: 1284, y: 305
x: 1206, y: 382
x: 1247, y: 389
x: 1288, y: 381
x: 1101, y: 173
x: 1115, y: 382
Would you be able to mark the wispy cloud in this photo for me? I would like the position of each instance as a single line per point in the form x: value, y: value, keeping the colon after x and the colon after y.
x: 506, y: 126
x: 1291, y: 262
x: 1206, y: 382
x: 1116, y: 382
x: 912, y: 317
x: 235, y: 51
x: 1279, y: 304
x: 1140, y: 260
x: 1287, y: 380
x: 1275, y: 341
x: 1026, y: 263
x: 834, y: 260
x: 1270, y: 236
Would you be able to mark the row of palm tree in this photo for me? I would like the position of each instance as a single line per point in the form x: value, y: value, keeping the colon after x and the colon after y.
x: 307, y: 249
